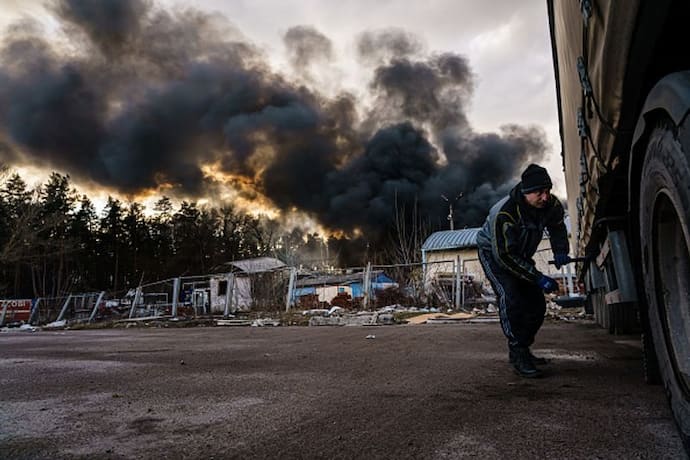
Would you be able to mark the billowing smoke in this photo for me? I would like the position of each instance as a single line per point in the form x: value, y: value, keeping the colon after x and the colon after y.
x: 305, y: 45
x: 137, y: 98
x: 109, y: 24
x: 377, y: 47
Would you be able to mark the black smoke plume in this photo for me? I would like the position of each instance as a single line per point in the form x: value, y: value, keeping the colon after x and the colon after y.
x: 305, y: 45
x: 377, y: 47
x: 135, y: 97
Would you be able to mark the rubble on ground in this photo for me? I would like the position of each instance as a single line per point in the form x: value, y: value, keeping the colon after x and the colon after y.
x: 482, y: 311
x: 397, y: 314
x: 363, y: 318
x: 557, y: 312
x: 262, y: 322
x: 233, y: 322
x: 20, y: 328
x: 56, y: 325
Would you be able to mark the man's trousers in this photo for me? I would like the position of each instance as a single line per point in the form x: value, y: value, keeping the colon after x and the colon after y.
x: 521, y: 304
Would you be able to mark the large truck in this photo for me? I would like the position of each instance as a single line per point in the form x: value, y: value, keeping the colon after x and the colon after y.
x: 623, y: 90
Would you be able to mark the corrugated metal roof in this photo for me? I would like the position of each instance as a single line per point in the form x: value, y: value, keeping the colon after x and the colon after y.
x: 331, y: 280
x: 258, y: 265
x: 335, y: 280
x: 451, y: 239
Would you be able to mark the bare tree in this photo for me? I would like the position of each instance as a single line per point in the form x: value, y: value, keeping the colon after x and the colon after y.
x: 409, y: 232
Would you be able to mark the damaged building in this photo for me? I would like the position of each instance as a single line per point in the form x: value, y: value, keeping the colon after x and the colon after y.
x: 249, y: 283
x: 324, y: 289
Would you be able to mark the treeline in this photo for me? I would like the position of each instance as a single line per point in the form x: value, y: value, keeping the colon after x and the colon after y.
x: 53, y: 241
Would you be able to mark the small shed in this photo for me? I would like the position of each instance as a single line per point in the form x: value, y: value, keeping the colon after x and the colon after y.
x: 442, y: 250
x: 248, y: 280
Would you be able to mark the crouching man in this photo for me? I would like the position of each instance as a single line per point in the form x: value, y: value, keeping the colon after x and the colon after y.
x: 506, y: 244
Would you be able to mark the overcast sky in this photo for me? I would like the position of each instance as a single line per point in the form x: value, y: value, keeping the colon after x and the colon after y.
x: 506, y: 43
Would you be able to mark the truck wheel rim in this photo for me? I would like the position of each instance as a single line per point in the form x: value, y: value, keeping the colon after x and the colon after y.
x: 672, y: 275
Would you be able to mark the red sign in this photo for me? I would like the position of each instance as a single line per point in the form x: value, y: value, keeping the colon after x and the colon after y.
x: 15, y: 310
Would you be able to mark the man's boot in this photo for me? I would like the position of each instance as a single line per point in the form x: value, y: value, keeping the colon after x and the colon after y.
x: 522, y: 363
x: 536, y: 360
x: 539, y: 361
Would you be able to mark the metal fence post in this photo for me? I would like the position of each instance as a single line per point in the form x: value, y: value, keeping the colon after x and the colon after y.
x: 462, y: 283
x: 135, y: 301
x: 176, y: 296
x: 291, y: 289
x: 458, y: 282
x: 34, y: 312
x: 229, y: 292
x: 367, y: 286
x: 64, y: 308
x: 95, y: 307
x: 4, y: 311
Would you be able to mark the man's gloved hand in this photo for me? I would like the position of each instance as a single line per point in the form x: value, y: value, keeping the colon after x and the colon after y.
x: 547, y: 284
x: 561, y: 259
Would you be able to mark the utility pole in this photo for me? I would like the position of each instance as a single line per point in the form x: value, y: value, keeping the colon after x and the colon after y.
x: 451, y: 205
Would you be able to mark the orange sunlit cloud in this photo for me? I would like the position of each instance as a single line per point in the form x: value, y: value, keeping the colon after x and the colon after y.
x: 241, y: 191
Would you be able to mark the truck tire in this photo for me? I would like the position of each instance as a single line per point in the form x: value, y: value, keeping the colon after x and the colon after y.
x: 665, y: 244
x: 650, y: 363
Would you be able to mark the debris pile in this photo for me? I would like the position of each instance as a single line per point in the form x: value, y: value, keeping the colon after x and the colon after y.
x: 559, y: 313
x: 262, y: 322
x: 362, y: 318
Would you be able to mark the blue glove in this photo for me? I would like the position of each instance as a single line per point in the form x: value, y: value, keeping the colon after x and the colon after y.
x: 547, y: 284
x: 561, y: 259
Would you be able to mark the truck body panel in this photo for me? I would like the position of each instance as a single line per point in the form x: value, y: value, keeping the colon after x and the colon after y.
x: 623, y: 91
x: 602, y: 43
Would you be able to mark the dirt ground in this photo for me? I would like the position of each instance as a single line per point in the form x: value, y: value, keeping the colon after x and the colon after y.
x: 414, y: 391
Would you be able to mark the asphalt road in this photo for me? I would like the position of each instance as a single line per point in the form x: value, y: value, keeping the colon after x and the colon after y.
x: 425, y: 391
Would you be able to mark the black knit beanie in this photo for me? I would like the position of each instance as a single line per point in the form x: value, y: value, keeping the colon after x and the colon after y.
x: 535, y: 178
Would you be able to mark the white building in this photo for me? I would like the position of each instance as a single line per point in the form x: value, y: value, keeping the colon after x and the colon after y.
x: 444, y: 251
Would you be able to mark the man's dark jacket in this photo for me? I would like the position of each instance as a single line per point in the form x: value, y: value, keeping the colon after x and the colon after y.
x: 513, y: 230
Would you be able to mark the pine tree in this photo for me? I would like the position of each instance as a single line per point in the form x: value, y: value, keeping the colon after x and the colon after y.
x: 111, y: 244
